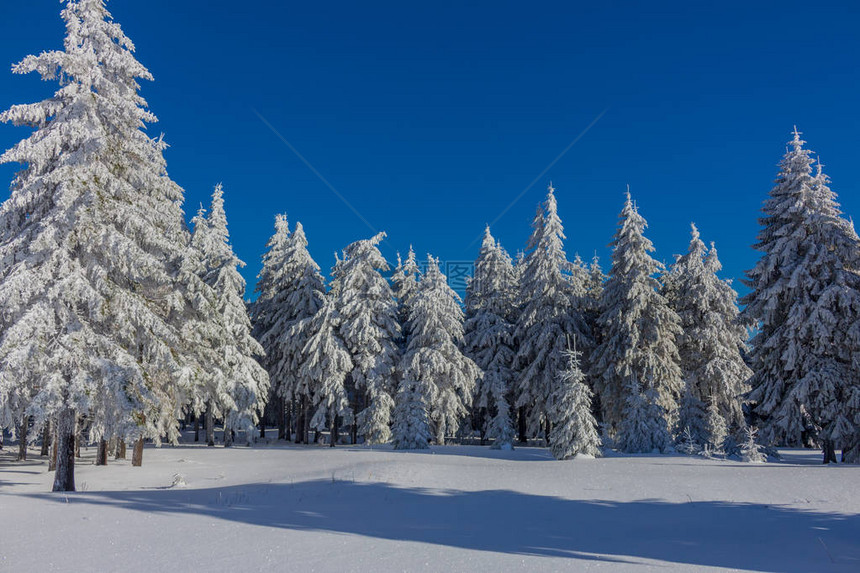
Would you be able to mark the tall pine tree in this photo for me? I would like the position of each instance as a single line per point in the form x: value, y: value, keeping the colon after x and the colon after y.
x: 711, y: 343
x: 550, y: 311
x: 369, y: 327
x: 92, y: 239
x: 404, y: 280
x: 437, y: 380
x: 271, y: 289
x: 488, y: 338
x: 326, y: 363
x: 238, y: 386
x: 300, y: 293
x: 635, y: 368
x: 805, y: 296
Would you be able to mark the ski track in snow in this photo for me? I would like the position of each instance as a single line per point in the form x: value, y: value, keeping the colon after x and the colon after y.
x: 308, y: 508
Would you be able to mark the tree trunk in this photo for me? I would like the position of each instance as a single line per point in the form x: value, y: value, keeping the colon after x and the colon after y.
x: 440, y: 433
x: 22, y: 439
x: 210, y: 427
x: 522, y: 426
x: 137, y: 453
x: 228, y: 436
x: 301, y: 422
x: 102, y: 453
x: 52, y: 459
x: 333, y: 430
x: 46, y: 439
x: 263, y: 426
x: 120, y: 450
x: 829, y: 450
x: 281, y: 408
x: 292, y: 415
x: 196, y: 428
x: 79, y: 429
x: 298, y: 422
x: 64, y: 478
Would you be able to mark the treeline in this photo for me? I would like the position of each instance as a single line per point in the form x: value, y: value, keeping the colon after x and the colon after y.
x: 643, y: 359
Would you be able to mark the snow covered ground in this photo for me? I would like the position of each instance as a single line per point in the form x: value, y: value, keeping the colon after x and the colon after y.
x: 463, y: 508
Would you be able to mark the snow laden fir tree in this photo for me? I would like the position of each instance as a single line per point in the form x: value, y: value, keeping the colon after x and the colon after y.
x: 93, y: 239
x: 436, y: 380
x: 291, y: 291
x: 550, y: 311
x: 325, y: 365
x: 574, y: 428
x: 271, y: 293
x: 368, y: 325
x: 635, y: 367
x: 404, y: 283
x: 238, y: 387
x: 488, y: 339
x: 710, y: 346
x: 805, y: 297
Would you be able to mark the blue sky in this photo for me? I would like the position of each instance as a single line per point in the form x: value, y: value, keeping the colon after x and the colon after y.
x: 431, y: 118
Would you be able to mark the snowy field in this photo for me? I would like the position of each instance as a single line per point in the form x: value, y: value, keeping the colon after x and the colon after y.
x: 463, y: 508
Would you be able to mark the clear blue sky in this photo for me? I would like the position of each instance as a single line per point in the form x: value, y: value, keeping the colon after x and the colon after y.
x: 431, y: 118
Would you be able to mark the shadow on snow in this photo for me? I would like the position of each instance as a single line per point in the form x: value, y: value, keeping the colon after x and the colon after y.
x: 719, y: 534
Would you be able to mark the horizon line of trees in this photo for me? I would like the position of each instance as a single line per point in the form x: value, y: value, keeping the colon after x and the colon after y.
x: 117, y: 315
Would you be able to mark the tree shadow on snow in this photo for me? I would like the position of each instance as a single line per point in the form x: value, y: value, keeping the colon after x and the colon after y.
x: 719, y: 534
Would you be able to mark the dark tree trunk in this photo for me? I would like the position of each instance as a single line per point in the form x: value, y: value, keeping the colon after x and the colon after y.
x: 292, y: 415
x: 22, y: 439
x: 263, y: 426
x: 522, y: 426
x: 46, y: 439
x: 52, y: 459
x: 120, y: 450
x: 829, y: 450
x: 210, y: 427
x: 302, y: 422
x: 280, y: 408
x: 333, y: 429
x: 102, y: 453
x: 64, y: 478
x: 137, y: 453
x: 547, y: 429
x: 196, y: 428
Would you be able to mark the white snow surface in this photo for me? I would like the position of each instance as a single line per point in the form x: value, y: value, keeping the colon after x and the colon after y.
x: 449, y: 508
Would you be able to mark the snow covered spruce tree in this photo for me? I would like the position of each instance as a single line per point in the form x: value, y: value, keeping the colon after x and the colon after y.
x: 405, y: 283
x: 635, y: 367
x: 292, y: 290
x: 488, y: 338
x: 550, y: 311
x: 369, y: 327
x: 710, y: 345
x: 593, y: 294
x: 92, y: 238
x: 643, y: 428
x: 574, y: 428
x: 437, y: 380
x: 237, y: 386
x: 805, y: 296
x: 325, y: 364
x: 270, y: 290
